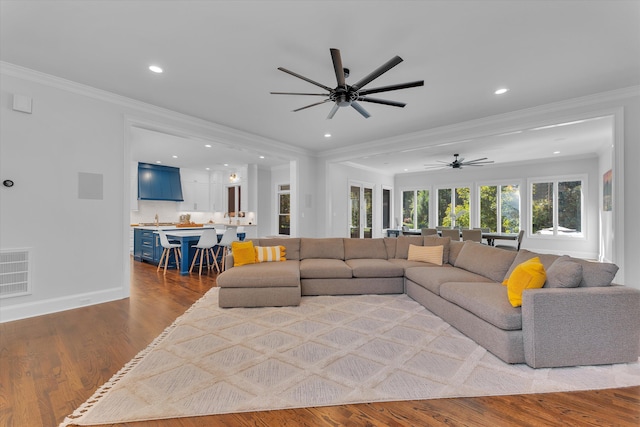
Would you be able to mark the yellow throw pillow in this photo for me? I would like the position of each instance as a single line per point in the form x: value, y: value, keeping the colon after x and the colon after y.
x: 432, y: 254
x: 270, y: 253
x: 243, y: 253
x: 528, y: 275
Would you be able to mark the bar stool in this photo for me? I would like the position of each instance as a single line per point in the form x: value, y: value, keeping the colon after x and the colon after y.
x: 230, y: 235
x: 166, y: 251
x: 204, y: 246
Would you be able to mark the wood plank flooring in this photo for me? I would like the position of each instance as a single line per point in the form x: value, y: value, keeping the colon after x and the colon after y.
x: 51, y: 364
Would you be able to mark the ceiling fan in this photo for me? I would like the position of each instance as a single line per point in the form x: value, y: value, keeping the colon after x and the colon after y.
x: 345, y: 95
x: 458, y: 163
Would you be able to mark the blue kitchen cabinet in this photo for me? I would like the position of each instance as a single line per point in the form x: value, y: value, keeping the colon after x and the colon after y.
x: 147, y: 247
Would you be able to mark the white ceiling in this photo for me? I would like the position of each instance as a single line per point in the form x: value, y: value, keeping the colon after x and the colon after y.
x: 221, y: 57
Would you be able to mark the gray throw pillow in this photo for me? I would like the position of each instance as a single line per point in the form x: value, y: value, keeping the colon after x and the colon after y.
x: 564, y: 273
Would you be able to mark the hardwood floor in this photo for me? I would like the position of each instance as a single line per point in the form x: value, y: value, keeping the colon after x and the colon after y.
x: 51, y: 364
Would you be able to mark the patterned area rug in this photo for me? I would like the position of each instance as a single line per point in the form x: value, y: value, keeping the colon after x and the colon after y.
x: 330, y: 350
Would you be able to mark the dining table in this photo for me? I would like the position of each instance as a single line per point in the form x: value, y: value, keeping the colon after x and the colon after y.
x: 187, y: 239
x: 489, y: 236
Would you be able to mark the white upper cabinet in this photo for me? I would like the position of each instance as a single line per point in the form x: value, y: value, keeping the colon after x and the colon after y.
x: 195, y: 190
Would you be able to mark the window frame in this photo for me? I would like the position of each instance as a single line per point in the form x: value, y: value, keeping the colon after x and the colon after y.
x: 498, y: 183
x: 556, y: 179
x: 452, y: 188
x: 280, y: 192
x: 415, y: 191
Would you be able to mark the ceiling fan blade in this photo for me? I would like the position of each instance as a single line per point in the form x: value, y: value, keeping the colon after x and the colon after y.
x: 298, y: 93
x: 378, y: 72
x: 476, y: 160
x: 337, y: 67
x: 311, y: 105
x: 360, y: 110
x: 305, y: 79
x: 382, y: 101
x: 478, y: 163
x: 392, y: 87
x: 333, y: 111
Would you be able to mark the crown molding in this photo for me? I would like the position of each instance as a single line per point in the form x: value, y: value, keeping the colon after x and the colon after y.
x: 212, y: 129
x: 485, y: 126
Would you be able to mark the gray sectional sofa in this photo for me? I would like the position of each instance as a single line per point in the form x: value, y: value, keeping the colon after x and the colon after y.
x: 578, y: 318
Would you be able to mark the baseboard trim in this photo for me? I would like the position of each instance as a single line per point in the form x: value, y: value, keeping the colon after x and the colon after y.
x: 54, y: 305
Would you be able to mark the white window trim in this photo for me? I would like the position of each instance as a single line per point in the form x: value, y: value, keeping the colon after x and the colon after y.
x: 583, y: 204
x: 391, y: 204
x: 415, y: 190
x: 496, y: 183
x: 276, y: 225
x: 472, y: 201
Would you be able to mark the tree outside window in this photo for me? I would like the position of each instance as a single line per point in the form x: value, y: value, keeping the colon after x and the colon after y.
x: 284, y: 210
x: 454, y: 207
x: 556, y: 208
x: 415, y: 208
x: 500, y: 208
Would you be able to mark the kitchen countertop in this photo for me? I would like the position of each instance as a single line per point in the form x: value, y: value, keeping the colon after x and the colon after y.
x: 174, y: 227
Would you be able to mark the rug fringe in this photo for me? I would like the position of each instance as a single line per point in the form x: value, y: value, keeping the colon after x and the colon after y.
x: 72, y: 419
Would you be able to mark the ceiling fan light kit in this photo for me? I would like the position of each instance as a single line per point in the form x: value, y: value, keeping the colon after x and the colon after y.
x: 458, y: 163
x: 344, y: 95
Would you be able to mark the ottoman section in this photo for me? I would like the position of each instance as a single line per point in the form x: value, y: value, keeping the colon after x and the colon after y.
x: 267, y: 284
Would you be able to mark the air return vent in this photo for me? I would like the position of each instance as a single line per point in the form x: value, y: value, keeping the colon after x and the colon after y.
x: 15, y: 272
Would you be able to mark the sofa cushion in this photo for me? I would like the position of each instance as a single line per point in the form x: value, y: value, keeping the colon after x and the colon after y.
x: 430, y: 254
x: 405, y: 263
x: 292, y: 245
x: 433, y: 277
x: 435, y: 240
x: 243, y: 253
x: 524, y: 255
x: 595, y: 274
x: 270, y: 253
x: 454, y: 250
x: 374, y: 268
x: 485, y: 260
x: 402, y: 246
x: 325, y: 248
x: 390, y: 245
x: 528, y: 275
x: 488, y: 301
x: 564, y: 273
x: 262, y: 275
x: 364, y: 248
x: 322, y: 268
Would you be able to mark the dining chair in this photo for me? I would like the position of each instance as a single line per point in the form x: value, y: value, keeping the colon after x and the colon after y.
x: 166, y: 251
x: 204, y: 247
x: 511, y: 247
x: 230, y: 235
x: 454, y: 233
x: 428, y: 231
x: 472, y: 235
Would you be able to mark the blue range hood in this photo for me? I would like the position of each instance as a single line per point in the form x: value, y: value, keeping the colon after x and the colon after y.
x: 157, y: 182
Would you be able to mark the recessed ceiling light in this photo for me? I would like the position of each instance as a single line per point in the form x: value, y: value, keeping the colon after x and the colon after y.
x: 208, y: 169
x: 406, y: 170
x: 175, y: 157
x: 155, y: 69
x: 208, y: 145
x: 327, y: 135
x: 501, y: 91
x: 556, y: 152
x: 158, y: 161
x: 226, y: 164
x: 262, y: 157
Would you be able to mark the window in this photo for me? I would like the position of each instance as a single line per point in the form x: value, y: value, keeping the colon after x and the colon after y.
x: 415, y: 208
x: 386, y: 208
x: 453, y: 207
x: 557, y: 207
x: 500, y: 208
x: 284, y: 209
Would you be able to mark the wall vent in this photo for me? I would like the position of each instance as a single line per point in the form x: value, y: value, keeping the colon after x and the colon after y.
x: 15, y: 272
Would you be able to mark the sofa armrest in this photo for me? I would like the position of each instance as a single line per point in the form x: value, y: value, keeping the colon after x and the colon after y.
x: 581, y: 326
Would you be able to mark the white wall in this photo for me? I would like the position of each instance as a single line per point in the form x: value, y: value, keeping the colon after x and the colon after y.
x: 519, y: 174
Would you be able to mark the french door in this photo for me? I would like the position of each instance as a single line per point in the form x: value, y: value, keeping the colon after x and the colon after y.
x: 361, y: 211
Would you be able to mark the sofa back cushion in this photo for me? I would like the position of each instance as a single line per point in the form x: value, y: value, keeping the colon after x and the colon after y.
x: 327, y: 248
x: 595, y: 274
x: 455, y: 246
x: 435, y: 240
x: 292, y: 245
x: 402, y: 246
x: 524, y: 255
x: 564, y: 273
x: 485, y: 260
x: 390, y: 245
x: 364, y: 248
